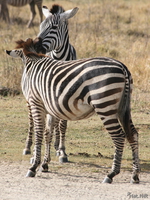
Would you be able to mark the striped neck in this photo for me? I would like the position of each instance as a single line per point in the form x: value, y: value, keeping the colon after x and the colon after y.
x: 63, y: 52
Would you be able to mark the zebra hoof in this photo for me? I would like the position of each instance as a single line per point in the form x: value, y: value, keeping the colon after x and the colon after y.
x: 135, y: 179
x: 107, y: 180
x: 26, y: 152
x: 63, y: 159
x: 30, y: 173
x: 44, y: 168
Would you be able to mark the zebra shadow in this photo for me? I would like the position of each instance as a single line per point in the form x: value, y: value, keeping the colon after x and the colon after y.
x: 145, y: 166
x: 98, y: 170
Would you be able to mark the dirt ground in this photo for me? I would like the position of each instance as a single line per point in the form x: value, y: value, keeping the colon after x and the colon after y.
x: 67, y: 185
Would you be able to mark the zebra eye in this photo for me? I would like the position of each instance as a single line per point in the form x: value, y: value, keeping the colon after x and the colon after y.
x: 54, y: 26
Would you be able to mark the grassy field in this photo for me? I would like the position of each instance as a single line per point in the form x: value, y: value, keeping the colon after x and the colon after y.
x: 118, y: 29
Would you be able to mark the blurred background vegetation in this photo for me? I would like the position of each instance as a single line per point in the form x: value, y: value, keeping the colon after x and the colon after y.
x: 117, y: 29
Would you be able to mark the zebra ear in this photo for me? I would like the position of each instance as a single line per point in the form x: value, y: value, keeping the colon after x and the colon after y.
x: 46, y: 11
x: 68, y: 14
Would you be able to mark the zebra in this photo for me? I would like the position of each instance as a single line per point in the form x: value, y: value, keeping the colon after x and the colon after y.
x: 61, y: 50
x: 53, y: 37
x: 75, y: 90
x: 19, y: 3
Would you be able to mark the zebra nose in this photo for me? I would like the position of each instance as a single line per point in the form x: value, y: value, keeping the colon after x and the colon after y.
x: 8, y: 52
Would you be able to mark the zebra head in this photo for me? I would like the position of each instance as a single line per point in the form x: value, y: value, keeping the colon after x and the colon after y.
x: 15, y: 53
x: 54, y: 29
x: 26, y: 52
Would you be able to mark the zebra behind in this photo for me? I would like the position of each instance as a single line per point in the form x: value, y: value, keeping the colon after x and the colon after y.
x: 74, y: 90
x: 53, y: 37
x: 55, y: 32
x: 18, y: 3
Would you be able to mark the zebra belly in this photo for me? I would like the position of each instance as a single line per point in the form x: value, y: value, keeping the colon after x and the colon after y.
x: 83, y: 113
x: 76, y: 111
x: 81, y: 110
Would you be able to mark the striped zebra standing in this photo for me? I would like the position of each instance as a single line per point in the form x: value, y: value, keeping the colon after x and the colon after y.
x: 18, y: 3
x: 54, y: 34
x: 74, y: 90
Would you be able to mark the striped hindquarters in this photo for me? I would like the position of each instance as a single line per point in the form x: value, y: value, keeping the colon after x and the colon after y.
x: 73, y: 90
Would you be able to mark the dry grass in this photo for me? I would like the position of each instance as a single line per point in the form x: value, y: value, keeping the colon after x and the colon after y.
x: 100, y: 28
x: 118, y: 29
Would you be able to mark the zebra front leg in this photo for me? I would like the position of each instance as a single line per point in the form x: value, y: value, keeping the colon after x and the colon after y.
x: 37, y: 155
x: 62, y: 129
x: 48, y: 134
x: 133, y: 140
x: 38, y: 115
x: 29, y: 142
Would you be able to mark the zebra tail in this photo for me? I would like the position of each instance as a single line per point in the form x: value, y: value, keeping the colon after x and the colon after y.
x: 124, y: 111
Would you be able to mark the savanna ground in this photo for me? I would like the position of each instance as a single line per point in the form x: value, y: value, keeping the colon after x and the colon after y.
x: 118, y: 29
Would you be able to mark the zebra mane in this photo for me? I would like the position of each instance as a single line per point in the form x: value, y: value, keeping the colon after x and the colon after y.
x: 28, y: 48
x: 55, y: 9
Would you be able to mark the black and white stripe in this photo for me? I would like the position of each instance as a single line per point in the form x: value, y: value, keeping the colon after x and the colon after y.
x: 19, y: 3
x: 74, y: 90
x: 54, y: 35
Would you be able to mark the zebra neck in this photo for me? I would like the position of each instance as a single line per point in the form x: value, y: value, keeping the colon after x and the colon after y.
x: 63, y: 52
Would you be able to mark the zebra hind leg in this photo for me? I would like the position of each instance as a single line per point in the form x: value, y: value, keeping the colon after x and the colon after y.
x: 118, y: 137
x: 4, y: 12
x: 133, y: 140
x: 39, y: 6
x: 33, y: 13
